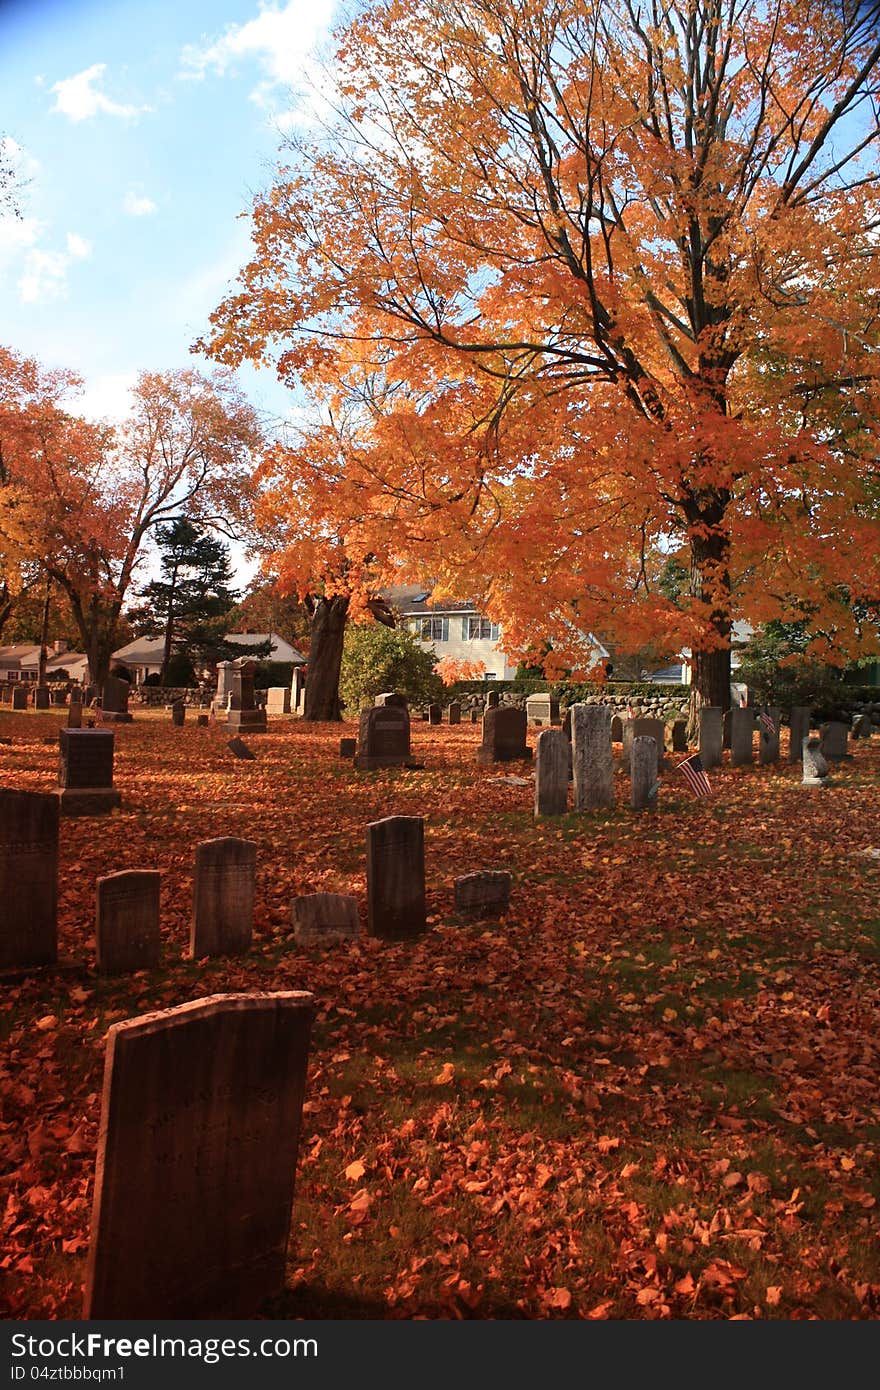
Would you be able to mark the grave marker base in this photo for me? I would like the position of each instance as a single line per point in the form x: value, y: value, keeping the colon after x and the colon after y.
x: 86, y: 801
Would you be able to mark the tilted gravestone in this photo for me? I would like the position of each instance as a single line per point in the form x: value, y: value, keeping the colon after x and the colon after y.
x: 278, y: 699
x: 127, y: 921
x: 711, y: 735
x: 484, y: 893
x: 643, y: 728
x: 28, y: 878
x: 504, y: 737
x: 396, y: 877
x: 383, y: 738
x: 834, y: 737
x: 592, y: 756
x: 85, y: 772
x: 815, y: 773
x: 240, y: 749
x: 799, y: 722
x: 197, y: 1152
x: 453, y: 714
x: 223, y: 897
x: 319, y: 917
x: 644, y: 758
x: 742, y: 737
x: 243, y: 715
x: 542, y: 709
x: 114, y: 700
x: 551, y: 773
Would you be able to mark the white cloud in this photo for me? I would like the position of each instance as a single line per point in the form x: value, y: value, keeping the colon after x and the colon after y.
x: 77, y: 246
x: 78, y: 97
x: 106, y: 396
x: 17, y: 234
x: 279, y: 40
x: 23, y: 164
x: 44, y: 276
x: 137, y: 205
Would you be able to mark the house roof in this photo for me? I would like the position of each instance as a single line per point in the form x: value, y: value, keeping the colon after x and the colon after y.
x: 424, y: 605
x: 143, y: 651
x: 281, y: 650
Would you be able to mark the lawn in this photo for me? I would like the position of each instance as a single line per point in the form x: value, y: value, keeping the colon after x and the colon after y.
x: 649, y: 1091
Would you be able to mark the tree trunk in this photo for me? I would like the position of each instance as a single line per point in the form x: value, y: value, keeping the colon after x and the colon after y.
x: 325, y: 658
x: 710, y: 583
x: 44, y: 633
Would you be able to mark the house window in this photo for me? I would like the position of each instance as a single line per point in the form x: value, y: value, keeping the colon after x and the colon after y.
x: 435, y: 630
x: 479, y: 629
x: 490, y: 676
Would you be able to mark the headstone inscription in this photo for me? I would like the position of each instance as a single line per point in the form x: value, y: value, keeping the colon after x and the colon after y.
x: 383, y: 738
x: 592, y: 756
x: 799, y: 722
x: 85, y: 772
x: 223, y: 897
x: 127, y: 921
x: 551, y: 773
x: 711, y: 735
x: 504, y: 737
x: 197, y: 1151
x: 643, y: 772
x: 396, y: 877
x: 542, y: 709
x: 815, y: 767
x: 484, y: 893
x: 28, y: 878
x: 319, y: 917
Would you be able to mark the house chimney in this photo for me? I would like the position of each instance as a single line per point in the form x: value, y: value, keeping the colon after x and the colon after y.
x: 59, y: 646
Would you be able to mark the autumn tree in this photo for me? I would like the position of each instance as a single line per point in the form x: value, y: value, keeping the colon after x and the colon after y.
x: 601, y: 277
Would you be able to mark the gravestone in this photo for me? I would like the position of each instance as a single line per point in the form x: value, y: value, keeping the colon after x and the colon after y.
x: 390, y: 697
x: 551, y: 773
x: 396, y: 877
x: 861, y: 726
x: 225, y: 671
x: 504, y: 737
x: 475, y: 716
x: 127, y: 921
x: 28, y: 878
x: 616, y: 729
x: 41, y: 697
x: 454, y: 712
x: 114, y: 700
x: 726, y: 726
x: 834, y: 737
x: 19, y: 697
x: 178, y: 714
x: 347, y: 747
x: 241, y: 750
x: 243, y: 715
x: 435, y: 714
x: 383, y: 738
x: 642, y: 728
x: 711, y: 736
x: 197, y: 1152
x: 59, y: 698
x: 319, y: 917
x: 644, y: 757
x: 492, y: 699
x: 278, y: 699
x: 768, y: 743
x: 485, y: 893
x: 815, y: 773
x: 298, y: 690
x: 742, y: 729
x: 203, y: 720
x: 85, y: 772
x: 223, y: 897
x: 592, y: 756
x: 542, y: 709
x: 676, y: 732
x: 799, y: 721
x: 74, y: 714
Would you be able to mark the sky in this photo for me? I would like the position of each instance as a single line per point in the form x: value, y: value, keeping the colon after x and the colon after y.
x: 142, y: 130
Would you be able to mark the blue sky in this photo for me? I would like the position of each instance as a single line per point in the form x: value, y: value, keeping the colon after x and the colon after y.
x: 143, y: 128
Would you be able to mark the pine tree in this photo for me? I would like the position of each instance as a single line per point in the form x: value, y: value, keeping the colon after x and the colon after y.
x: 193, y: 595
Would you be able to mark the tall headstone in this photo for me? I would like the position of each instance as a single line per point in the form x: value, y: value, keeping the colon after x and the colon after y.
x: 114, y: 700
x: 492, y: 699
x: 41, y: 697
x: 28, y: 878
x: 224, y: 685
x: 383, y: 738
x: 551, y: 773
x: 453, y: 714
x: 278, y: 699
x: 19, y: 696
x: 643, y: 728
x: 676, y: 733
x: 592, y: 756
x: 504, y: 737
x: 298, y: 690
x: 197, y: 1152
x: 542, y: 709
x: 85, y: 773
x: 396, y: 877
x: 711, y: 735
x: 484, y: 893
x: 178, y: 714
x: 742, y: 730
x: 127, y: 921
x: 223, y: 897
x: 74, y: 714
x: 799, y: 722
x: 768, y: 740
x: 435, y: 714
x: 243, y: 715
x: 644, y: 758
x: 815, y: 773
x: 320, y: 917
x: 834, y: 737
x: 616, y: 729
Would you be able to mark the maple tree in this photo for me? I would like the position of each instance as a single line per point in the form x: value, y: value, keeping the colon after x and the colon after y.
x: 596, y: 283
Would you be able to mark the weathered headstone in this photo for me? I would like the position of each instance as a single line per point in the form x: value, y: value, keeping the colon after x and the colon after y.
x: 28, y: 878
x: 642, y: 728
x: 85, y: 772
x: 504, y: 737
x: 861, y: 726
x: 396, y: 877
x: 742, y: 730
x: 41, y: 697
x: 485, y: 893
x: 347, y: 747
x: 74, y: 714
x: 223, y: 897
x: 726, y: 726
x: 203, y: 720
x: 240, y: 749
x: 243, y: 713
x: 644, y: 756
x: 815, y: 773
x: 834, y: 737
x: 59, y: 698
x: 435, y: 714
x: 676, y: 733
x: 390, y: 697
x: 114, y: 700
x: 278, y: 699
x: 492, y: 699
x: 178, y: 714
x: 616, y: 729
x: 799, y: 721
x: 197, y: 1152
x: 298, y: 690
x: 19, y: 697
x: 127, y: 921
x: 475, y: 716
x: 319, y: 917
x: 453, y: 714
x: 383, y: 738
x: 592, y: 756
x: 711, y: 735
x: 542, y: 709
x: 551, y: 773
x: 768, y: 741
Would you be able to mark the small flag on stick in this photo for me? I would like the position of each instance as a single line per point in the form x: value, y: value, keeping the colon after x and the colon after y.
x: 696, y: 778
x: 766, y: 722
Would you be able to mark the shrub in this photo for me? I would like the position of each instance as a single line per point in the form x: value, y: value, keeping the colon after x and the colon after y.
x: 377, y: 658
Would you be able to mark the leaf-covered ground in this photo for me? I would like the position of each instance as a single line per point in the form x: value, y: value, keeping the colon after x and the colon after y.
x: 650, y: 1091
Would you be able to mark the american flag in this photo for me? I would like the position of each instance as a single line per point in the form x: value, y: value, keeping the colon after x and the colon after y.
x: 697, y: 780
x: 766, y: 721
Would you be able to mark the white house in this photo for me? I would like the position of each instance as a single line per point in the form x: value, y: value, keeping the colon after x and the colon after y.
x: 455, y: 630
x: 142, y: 657
x: 21, y: 662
